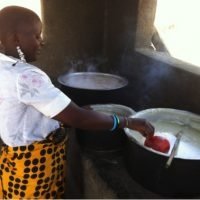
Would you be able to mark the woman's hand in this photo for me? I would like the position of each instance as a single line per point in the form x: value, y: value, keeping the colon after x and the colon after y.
x: 141, y: 125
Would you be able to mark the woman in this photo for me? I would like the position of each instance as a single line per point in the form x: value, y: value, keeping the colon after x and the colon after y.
x: 31, y: 110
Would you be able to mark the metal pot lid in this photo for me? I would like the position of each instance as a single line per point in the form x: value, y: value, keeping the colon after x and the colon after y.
x: 92, y: 81
x: 167, y: 123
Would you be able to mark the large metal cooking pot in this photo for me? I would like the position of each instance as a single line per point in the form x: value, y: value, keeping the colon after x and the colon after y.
x: 105, y: 140
x: 148, y: 167
x: 86, y: 88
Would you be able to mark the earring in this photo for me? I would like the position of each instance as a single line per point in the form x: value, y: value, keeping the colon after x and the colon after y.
x: 21, y: 54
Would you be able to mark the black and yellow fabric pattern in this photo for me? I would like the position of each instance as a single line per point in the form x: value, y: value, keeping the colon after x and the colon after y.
x: 33, y: 171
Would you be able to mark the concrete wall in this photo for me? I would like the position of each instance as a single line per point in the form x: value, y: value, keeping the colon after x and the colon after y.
x: 87, y: 35
x: 159, y: 81
x: 73, y: 33
x: 121, y: 30
x: 102, y: 36
x: 145, y: 21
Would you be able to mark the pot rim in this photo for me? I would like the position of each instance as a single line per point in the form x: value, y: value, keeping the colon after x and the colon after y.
x: 113, y: 108
x: 174, y: 114
x: 123, y: 81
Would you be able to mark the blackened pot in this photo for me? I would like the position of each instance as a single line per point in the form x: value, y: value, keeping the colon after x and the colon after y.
x: 105, y: 140
x: 148, y: 167
x: 86, y: 88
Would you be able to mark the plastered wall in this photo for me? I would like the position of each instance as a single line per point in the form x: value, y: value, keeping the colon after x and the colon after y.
x: 94, y: 35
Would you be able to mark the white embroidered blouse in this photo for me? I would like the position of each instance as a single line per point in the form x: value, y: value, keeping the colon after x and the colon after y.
x: 28, y: 102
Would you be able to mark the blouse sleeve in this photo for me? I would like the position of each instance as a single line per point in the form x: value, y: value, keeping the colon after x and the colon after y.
x: 36, y: 89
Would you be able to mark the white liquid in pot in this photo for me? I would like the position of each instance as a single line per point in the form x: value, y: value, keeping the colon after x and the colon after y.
x: 168, y: 123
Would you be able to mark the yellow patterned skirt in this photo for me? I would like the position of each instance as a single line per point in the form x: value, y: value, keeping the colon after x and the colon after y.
x: 33, y: 171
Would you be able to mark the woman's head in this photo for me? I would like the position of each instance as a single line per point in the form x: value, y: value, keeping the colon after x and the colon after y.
x: 20, y: 27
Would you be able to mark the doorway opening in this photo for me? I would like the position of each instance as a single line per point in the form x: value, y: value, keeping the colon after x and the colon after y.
x: 177, y: 23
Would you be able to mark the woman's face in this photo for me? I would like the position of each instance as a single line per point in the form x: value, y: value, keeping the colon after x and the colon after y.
x: 30, y: 40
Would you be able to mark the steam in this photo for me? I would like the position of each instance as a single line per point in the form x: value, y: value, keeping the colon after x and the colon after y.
x: 149, y: 80
x: 92, y: 64
x: 152, y: 83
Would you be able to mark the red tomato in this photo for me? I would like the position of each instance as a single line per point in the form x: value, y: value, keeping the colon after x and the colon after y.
x: 158, y: 143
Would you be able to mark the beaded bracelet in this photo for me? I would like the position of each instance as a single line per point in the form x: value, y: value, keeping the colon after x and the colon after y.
x: 116, y: 122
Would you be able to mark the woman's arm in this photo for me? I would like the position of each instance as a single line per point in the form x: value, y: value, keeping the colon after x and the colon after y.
x: 82, y: 118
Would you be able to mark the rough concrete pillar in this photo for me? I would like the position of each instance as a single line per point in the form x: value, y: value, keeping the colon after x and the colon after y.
x: 145, y: 23
x: 72, y: 31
